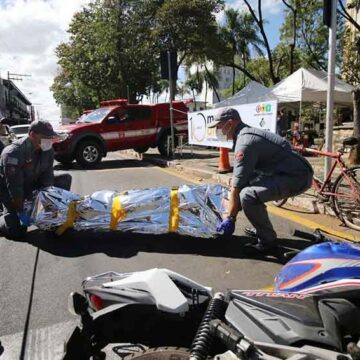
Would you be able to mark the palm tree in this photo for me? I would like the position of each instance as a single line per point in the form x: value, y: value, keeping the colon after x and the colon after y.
x: 230, y: 32
x: 195, y: 83
x: 211, y: 81
x: 183, y: 89
x: 240, y: 32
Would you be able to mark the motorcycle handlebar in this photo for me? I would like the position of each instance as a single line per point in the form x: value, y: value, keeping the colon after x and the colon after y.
x: 316, y: 236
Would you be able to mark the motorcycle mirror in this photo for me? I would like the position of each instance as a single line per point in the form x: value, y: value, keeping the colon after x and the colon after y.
x: 77, y: 303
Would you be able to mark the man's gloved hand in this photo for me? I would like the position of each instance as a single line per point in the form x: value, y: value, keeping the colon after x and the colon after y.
x: 227, y: 227
x: 25, y: 219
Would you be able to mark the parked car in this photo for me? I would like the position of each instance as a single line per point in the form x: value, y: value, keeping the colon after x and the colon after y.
x: 7, y: 136
x: 20, y: 130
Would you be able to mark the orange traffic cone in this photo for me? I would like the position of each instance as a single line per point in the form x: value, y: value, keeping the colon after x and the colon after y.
x: 224, y: 163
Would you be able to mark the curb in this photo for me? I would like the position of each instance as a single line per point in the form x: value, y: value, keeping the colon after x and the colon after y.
x: 306, y: 201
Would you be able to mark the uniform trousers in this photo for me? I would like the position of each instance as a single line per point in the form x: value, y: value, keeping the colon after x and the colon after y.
x: 10, y: 226
x: 266, y: 188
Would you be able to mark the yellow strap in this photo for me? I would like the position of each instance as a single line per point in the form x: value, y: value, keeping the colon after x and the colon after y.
x: 70, y: 218
x: 117, y: 213
x: 174, y: 211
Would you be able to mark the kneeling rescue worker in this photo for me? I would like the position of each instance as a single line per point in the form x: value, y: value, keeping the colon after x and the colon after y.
x: 265, y: 169
x: 26, y: 165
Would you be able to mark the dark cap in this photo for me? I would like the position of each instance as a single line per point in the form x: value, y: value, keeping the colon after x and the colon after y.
x: 224, y: 115
x: 44, y: 128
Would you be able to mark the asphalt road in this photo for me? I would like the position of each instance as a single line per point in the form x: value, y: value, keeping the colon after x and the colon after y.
x: 38, y: 274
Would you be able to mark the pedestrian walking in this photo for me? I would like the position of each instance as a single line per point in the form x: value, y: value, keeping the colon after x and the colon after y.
x: 26, y: 165
x: 265, y: 169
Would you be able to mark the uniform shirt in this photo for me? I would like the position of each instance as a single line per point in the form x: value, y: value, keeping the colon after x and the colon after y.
x: 259, y: 152
x: 23, y: 169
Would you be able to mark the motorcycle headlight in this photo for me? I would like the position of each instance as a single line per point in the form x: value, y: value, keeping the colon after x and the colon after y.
x: 77, y: 303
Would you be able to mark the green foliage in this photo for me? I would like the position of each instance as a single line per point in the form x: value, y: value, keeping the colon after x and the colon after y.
x: 260, y: 68
x: 107, y: 56
x: 114, y: 47
x: 188, y: 26
x: 311, y: 34
x: 351, y: 62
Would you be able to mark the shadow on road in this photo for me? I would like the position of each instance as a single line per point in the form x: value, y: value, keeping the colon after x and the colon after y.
x: 126, y: 245
x: 106, y: 164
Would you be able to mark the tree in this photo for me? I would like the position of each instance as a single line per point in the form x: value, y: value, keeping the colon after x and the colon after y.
x: 230, y: 33
x: 189, y: 26
x: 195, y: 83
x: 303, y: 30
x: 183, y: 89
x: 108, y: 55
x: 293, y: 8
x: 351, y: 69
x: 258, y: 18
x: 239, y: 32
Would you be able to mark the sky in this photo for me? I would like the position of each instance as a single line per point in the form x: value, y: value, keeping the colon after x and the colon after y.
x: 30, y: 30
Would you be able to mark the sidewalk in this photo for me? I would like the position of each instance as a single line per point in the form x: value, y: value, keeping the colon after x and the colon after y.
x: 202, y: 163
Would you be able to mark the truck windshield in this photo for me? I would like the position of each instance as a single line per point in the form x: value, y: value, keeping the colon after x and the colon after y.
x: 95, y: 116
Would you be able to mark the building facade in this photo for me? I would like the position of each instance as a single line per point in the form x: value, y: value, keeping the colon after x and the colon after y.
x: 210, y: 95
x: 14, y: 105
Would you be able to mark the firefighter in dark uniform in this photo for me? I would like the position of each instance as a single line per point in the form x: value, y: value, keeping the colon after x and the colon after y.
x: 265, y: 169
x: 26, y: 165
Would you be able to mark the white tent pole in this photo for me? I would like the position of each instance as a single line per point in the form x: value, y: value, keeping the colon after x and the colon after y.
x: 331, y: 85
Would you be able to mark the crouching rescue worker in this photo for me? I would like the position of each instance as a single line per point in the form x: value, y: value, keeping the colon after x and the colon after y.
x: 26, y: 165
x: 265, y: 169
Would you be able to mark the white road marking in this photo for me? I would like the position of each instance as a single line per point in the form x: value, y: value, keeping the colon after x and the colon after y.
x: 45, y: 343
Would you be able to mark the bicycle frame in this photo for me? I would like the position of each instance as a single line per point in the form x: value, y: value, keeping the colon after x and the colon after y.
x: 319, y: 185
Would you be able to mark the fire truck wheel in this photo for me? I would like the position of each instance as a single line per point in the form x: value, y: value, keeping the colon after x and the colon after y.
x: 163, y: 145
x: 88, y: 154
x: 141, y: 149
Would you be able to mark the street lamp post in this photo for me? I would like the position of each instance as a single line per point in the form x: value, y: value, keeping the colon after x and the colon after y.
x: 171, y: 108
x: 330, y: 90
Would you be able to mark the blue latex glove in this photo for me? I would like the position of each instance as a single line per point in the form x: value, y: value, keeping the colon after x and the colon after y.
x: 227, y: 227
x: 25, y: 219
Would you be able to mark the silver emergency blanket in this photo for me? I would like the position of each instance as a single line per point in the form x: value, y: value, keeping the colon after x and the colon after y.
x: 187, y: 210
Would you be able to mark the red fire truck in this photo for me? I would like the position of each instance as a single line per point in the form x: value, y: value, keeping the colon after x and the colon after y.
x: 117, y: 125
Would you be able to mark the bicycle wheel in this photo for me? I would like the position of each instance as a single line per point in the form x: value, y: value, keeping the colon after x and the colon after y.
x: 279, y: 203
x: 347, y: 201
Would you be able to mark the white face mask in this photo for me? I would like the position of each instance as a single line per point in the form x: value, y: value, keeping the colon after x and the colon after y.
x: 46, y: 144
x: 220, y: 136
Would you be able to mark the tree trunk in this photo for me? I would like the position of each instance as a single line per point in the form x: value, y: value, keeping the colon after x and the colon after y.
x: 355, y: 153
x: 173, y: 85
x: 206, y: 88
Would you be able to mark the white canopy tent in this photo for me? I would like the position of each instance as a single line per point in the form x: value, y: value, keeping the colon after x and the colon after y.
x: 309, y: 85
x: 304, y: 85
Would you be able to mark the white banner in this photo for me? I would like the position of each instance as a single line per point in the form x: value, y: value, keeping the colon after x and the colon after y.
x: 261, y: 115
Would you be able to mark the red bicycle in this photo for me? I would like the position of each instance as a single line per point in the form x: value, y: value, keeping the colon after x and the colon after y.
x: 343, y: 195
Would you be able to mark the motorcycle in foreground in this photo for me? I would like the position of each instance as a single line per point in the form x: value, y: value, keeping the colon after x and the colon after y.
x: 176, y: 318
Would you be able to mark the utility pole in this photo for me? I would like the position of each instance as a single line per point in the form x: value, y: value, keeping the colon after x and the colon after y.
x: 18, y: 77
x: 331, y: 7
x: 171, y: 108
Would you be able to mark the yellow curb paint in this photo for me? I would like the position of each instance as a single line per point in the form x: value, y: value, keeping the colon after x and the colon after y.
x: 310, y: 224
